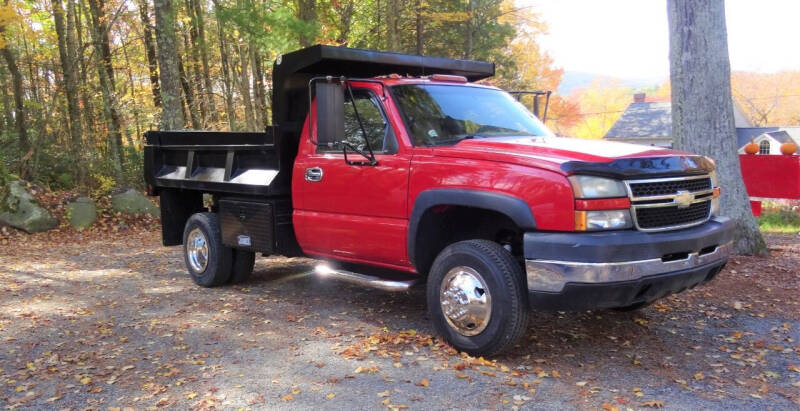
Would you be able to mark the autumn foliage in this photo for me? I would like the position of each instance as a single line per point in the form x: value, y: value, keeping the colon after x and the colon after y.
x: 81, y: 80
x: 768, y: 99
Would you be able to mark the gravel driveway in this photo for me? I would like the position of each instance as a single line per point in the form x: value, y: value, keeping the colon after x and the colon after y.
x: 98, y: 324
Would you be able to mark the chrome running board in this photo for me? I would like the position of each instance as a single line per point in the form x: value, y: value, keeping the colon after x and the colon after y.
x: 325, y: 271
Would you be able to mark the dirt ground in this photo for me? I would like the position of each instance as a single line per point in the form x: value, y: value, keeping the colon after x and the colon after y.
x: 111, y: 321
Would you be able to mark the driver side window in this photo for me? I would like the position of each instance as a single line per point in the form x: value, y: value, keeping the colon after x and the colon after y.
x: 378, y: 131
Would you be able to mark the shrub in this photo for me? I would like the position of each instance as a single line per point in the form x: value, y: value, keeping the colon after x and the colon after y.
x: 780, y: 221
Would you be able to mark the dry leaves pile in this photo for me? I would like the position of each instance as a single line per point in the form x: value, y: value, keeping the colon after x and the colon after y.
x: 106, y: 319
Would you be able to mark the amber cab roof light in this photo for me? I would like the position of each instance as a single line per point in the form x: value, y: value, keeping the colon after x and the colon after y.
x: 449, y: 77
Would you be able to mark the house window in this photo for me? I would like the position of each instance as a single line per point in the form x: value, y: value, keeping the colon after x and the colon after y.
x: 763, y: 147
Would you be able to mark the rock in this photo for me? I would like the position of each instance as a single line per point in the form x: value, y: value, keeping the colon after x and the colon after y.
x: 133, y: 202
x: 82, y: 213
x: 21, y: 210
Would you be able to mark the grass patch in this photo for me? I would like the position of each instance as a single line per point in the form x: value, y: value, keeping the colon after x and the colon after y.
x: 780, y: 221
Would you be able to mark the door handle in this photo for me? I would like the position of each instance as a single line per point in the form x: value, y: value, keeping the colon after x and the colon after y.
x: 314, y: 174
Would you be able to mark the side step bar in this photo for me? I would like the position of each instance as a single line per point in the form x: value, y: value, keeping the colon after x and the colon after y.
x: 325, y: 271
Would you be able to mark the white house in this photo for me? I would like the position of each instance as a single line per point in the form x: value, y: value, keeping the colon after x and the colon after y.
x: 769, y: 139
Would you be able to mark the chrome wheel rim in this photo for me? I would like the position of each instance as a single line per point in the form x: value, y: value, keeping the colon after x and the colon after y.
x: 197, y: 250
x: 465, y: 301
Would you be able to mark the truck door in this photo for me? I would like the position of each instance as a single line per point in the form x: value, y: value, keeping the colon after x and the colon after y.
x: 355, y: 212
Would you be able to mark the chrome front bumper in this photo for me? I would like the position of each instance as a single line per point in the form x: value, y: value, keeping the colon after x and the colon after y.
x: 551, y: 276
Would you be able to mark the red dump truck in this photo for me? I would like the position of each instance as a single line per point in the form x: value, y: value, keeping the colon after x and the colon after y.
x: 395, y: 170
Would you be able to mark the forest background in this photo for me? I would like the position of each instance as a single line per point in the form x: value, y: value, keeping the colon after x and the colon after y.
x: 80, y: 81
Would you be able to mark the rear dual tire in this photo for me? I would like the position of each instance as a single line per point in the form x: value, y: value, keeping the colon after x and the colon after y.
x: 477, y: 298
x: 209, y: 262
x: 243, y: 263
x: 633, y: 307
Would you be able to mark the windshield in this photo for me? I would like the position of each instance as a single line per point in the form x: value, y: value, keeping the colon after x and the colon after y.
x: 445, y: 115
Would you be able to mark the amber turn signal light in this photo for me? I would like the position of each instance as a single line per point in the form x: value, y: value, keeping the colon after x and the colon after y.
x: 580, y: 221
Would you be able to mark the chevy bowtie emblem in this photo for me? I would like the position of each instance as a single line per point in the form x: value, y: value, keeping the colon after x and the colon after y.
x: 684, y: 199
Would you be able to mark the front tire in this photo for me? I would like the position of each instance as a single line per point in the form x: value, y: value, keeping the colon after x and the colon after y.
x: 477, y: 297
x: 207, y: 259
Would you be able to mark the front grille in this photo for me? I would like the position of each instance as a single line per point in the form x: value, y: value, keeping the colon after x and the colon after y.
x: 660, y: 217
x: 660, y: 188
x: 670, y: 203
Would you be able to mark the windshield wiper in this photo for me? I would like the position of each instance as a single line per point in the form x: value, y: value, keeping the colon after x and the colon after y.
x: 456, y: 140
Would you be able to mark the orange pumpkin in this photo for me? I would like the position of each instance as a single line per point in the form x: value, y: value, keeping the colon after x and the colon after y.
x: 751, y: 147
x: 788, y: 148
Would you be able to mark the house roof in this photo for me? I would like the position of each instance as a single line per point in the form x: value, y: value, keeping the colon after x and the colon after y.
x: 643, y: 120
x: 650, y: 119
x: 781, y: 136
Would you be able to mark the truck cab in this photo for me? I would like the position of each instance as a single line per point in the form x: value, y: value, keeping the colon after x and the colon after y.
x: 397, y: 170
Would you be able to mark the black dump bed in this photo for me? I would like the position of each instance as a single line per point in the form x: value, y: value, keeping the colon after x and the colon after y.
x: 210, y: 161
x: 261, y: 163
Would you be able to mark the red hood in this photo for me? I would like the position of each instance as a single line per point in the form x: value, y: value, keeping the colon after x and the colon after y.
x: 549, y: 152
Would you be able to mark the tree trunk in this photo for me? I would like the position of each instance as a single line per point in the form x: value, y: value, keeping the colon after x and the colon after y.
x: 468, y: 31
x: 19, y: 111
x: 391, y: 25
x: 75, y: 58
x: 258, y: 89
x: 169, y: 75
x: 67, y: 55
x: 244, y: 89
x: 419, y: 27
x: 105, y: 74
x: 87, y: 105
x: 19, y: 106
x: 702, y: 106
x: 8, y: 118
x: 226, y: 72
x: 201, y: 37
x: 345, y: 11
x: 307, y: 12
x: 191, y: 52
x: 136, y: 109
x: 188, y: 91
x: 150, y: 51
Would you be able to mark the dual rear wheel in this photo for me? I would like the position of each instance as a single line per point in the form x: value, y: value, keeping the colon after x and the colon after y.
x: 211, y: 263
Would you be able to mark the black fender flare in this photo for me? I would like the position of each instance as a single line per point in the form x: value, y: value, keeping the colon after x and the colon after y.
x: 515, y: 208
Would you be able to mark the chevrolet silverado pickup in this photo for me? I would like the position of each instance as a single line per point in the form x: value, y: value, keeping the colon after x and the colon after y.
x: 394, y: 170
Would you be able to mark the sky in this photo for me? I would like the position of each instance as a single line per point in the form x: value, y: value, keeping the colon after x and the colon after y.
x: 630, y: 38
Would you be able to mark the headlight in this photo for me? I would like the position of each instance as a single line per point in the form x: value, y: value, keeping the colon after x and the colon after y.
x: 597, y: 187
x: 602, y: 220
x: 715, y: 196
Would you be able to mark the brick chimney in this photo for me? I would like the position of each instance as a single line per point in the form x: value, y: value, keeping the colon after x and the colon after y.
x: 638, y: 97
